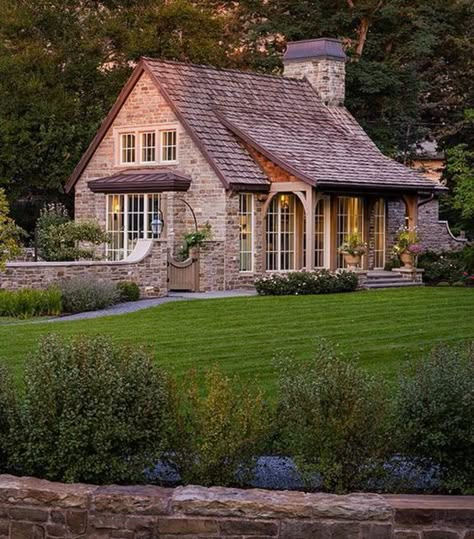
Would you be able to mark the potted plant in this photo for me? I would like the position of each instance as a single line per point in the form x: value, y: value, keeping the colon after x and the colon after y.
x: 407, y: 246
x: 353, y: 248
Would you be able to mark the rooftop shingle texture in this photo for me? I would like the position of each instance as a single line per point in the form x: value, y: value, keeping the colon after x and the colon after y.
x: 285, y: 120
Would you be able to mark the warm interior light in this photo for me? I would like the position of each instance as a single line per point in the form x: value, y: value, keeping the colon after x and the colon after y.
x: 284, y: 201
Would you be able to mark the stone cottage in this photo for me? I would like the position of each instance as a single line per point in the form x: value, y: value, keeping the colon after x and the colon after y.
x: 275, y: 164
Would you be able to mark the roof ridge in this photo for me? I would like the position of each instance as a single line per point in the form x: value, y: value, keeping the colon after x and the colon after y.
x: 224, y: 69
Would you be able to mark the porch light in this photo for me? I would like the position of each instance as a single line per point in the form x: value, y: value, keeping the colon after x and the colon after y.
x: 284, y: 201
x: 157, y: 224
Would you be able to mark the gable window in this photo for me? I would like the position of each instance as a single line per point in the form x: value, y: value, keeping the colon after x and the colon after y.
x: 128, y: 143
x: 129, y: 218
x: 168, y: 146
x: 246, y: 231
x: 149, y: 147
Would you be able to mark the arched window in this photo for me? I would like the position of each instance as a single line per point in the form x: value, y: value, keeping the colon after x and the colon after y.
x: 280, y: 233
x: 320, y: 234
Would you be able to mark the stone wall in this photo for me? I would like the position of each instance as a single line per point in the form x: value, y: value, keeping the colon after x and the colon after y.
x: 435, y: 234
x: 35, y: 509
x: 150, y: 273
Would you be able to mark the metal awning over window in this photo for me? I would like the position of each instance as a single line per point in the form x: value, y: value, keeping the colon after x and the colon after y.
x: 141, y: 181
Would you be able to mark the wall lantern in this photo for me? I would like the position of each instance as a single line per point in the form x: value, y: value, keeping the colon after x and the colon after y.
x: 157, y: 224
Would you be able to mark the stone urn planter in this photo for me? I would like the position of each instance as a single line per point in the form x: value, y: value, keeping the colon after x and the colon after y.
x: 352, y: 261
x: 407, y: 260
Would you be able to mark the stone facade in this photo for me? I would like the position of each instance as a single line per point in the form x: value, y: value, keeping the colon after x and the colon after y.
x: 36, y: 509
x: 326, y: 76
x: 150, y: 273
x: 435, y: 234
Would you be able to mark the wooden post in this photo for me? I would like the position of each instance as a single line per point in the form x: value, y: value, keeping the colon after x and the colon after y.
x: 411, y: 203
x: 309, y: 216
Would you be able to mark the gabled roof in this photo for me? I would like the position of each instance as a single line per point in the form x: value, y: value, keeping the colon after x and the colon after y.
x: 282, y: 118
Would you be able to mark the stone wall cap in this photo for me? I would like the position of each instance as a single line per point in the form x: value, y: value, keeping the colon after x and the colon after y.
x: 257, y: 503
x: 33, y: 491
x: 143, y: 499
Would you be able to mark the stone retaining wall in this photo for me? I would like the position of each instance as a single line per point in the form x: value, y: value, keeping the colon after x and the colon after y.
x: 35, y: 509
x: 150, y: 272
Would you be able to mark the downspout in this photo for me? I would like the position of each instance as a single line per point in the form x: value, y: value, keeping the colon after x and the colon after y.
x: 426, y: 200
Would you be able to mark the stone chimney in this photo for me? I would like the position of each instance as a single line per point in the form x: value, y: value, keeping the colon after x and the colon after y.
x: 322, y: 62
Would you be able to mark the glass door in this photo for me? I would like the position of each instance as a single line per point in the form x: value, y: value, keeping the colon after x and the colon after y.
x: 350, y: 220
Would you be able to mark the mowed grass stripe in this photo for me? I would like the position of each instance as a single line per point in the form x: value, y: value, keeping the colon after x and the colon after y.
x: 243, y: 334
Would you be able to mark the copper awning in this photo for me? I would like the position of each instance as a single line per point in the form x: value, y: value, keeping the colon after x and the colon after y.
x: 141, y: 181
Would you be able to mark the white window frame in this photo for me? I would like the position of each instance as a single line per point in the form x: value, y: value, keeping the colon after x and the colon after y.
x: 325, y: 201
x: 123, y: 136
x: 250, y: 213
x: 145, y: 234
x: 142, y: 146
x: 139, y: 132
x: 279, y: 232
x: 162, y: 146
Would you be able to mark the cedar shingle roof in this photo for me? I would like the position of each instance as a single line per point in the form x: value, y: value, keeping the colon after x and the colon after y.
x: 282, y: 118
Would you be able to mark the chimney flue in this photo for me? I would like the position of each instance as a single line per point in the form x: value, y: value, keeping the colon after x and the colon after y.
x: 322, y: 62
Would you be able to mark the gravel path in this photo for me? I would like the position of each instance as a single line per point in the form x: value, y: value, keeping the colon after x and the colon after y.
x: 133, y: 306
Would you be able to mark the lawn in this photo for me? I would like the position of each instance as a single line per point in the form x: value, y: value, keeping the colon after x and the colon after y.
x: 243, y: 334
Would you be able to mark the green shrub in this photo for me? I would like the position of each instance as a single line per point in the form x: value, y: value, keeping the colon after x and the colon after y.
x: 215, y: 438
x: 62, y: 239
x: 81, y: 295
x: 92, y: 412
x: 8, y: 415
x: 332, y: 419
x: 435, y: 411
x: 128, y: 291
x: 449, y: 266
x: 392, y: 263
x: 28, y: 302
x: 306, y: 282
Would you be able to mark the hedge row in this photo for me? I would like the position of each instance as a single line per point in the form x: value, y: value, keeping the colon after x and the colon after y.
x: 306, y: 282
x: 69, y: 296
x: 96, y: 412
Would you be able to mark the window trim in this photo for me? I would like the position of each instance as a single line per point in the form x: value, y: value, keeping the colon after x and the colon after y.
x: 252, y: 233
x: 138, y: 132
x: 147, y: 197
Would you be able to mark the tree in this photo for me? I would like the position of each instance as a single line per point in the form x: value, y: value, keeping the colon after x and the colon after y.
x: 9, y: 233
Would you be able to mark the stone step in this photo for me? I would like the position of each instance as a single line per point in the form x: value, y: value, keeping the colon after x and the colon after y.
x: 395, y: 284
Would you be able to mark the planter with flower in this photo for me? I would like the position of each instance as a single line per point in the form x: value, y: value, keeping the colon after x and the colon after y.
x: 353, y: 248
x: 407, y: 246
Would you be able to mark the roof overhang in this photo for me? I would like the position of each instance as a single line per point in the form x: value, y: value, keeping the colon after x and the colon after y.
x: 382, y: 190
x: 141, y: 181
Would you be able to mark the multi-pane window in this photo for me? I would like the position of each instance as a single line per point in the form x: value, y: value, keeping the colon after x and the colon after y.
x: 379, y: 234
x: 130, y: 218
x: 149, y: 147
x: 280, y: 233
x: 350, y: 219
x: 168, y: 146
x: 128, y: 142
x: 246, y: 232
x: 319, y: 234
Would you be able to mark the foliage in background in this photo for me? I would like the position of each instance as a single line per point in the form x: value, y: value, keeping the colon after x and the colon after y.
x: 409, y: 74
x: 435, y: 414
x: 9, y: 233
x: 128, y: 291
x: 216, y: 437
x: 195, y: 239
x: 332, y: 419
x: 298, y: 283
x: 62, y: 239
x: 92, y: 412
x: 28, y: 302
x: 81, y: 294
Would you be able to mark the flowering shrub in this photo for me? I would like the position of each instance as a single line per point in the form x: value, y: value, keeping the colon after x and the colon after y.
x: 449, y: 267
x: 306, y: 282
x: 353, y: 245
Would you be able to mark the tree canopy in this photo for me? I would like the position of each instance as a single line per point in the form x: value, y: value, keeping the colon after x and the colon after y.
x: 63, y: 62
